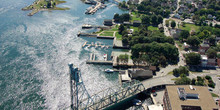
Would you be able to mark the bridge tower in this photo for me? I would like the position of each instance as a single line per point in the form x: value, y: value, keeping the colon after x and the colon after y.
x: 78, y: 91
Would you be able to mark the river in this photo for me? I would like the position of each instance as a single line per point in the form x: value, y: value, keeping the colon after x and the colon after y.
x: 35, y: 52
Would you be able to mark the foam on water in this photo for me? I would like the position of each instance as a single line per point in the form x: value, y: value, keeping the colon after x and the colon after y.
x: 36, y: 52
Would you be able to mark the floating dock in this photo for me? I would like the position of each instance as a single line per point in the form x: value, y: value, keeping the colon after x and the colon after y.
x: 88, y: 26
x: 102, y: 62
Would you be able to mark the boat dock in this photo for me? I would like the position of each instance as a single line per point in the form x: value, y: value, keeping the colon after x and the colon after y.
x: 80, y: 34
x: 96, y: 45
x: 88, y: 26
x: 93, y: 61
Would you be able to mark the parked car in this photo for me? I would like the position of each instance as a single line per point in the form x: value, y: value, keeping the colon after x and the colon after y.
x: 136, y: 102
x: 154, y: 94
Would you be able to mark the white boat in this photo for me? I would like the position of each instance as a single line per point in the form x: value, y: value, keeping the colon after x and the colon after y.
x: 109, y: 70
x: 105, y: 57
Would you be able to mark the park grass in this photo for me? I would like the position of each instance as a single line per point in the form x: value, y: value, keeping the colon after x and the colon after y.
x: 118, y: 36
x: 151, y: 28
x: 170, y: 73
x: 115, y: 28
x: 106, y: 33
x: 190, y: 27
x: 135, y: 17
x: 174, y: 79
x: 214, y: 95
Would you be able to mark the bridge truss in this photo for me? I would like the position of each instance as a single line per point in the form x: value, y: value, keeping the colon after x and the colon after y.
x: 80, y: 98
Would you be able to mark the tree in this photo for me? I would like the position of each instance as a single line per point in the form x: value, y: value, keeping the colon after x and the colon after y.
x: 121, y: 28
x: 212, y: 40
x: 193, y: 81
x: 145, y: 19
x: 184, y: 34
x: 123, y: 58
x: 160, y: 19
x: 116, y: 17
x: 211, y: 53
x: 193, y: 59
x: 154, y: 20
x: 176, y: 72
x: 193, y: 41
x: 173, y: 24
x: 125, y: 17
x: 183, y: 81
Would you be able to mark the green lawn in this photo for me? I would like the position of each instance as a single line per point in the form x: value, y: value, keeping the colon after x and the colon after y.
x: 118, y: 36
x: 135, y: 17
x: 190, y: 27
x: 115, y: 28
x: 151, y: 28
x: 180, y: 45
x: 107, y: 33
x: 135, y: 28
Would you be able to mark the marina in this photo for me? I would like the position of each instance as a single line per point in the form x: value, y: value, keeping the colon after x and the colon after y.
x: 93, y: 9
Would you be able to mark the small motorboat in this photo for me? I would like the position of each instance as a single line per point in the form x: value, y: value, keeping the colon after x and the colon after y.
x: 109, y: 70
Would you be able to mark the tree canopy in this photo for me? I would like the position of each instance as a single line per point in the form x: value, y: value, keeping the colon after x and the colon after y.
x: 193, y: 59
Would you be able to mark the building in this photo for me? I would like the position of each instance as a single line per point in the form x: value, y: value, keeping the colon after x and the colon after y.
x: 188, y: 97
x: 136, y: 23
x: 139, y: 74
x: 203, y: 48
x: 108, y: 22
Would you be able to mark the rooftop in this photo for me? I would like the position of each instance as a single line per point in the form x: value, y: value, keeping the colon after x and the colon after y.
x: 203, y: 97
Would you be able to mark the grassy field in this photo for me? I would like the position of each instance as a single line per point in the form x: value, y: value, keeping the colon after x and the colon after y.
x: 118, y: 36
x: 214, y: 95
x: 190, y: 27
x: 135, y: 17
x: 151, y: 28
x: 106, y: 33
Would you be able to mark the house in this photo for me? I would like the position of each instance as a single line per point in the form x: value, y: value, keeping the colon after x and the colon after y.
x: 203, y: 48
x: 209, y: 16
x: 175, y: 33
x: 188, y: 97
x: 127, y: 23
x: 186, y: 46
x: 204, y: 60
x: 177, y: 16
x: 192, y: 32
x: 211, y: 62
x: 130, y: 31
x: 108, y: 22
x: 160, y: 26
x: 136, y: 23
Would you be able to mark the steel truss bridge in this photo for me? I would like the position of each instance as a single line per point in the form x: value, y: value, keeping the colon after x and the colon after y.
x: 81, y: 100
